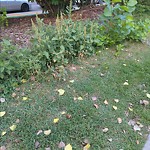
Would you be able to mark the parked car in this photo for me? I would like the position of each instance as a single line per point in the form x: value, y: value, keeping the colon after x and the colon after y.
x: 15, y: 5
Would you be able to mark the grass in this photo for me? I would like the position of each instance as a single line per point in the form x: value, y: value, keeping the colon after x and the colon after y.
x: 86, y: 122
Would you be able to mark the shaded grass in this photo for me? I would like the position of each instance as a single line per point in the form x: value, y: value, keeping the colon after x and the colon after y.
x: 86, y: 121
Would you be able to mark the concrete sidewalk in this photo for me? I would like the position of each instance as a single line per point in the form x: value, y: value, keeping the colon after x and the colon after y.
x: 147, y: 144
x: 23, y: 14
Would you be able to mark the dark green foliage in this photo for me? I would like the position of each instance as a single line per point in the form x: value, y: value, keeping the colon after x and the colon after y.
x: 3, y: 19
x: 118, y: 24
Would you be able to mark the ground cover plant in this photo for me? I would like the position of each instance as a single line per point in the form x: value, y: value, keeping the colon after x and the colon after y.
x: 51, y: 100
x: 102, y: 104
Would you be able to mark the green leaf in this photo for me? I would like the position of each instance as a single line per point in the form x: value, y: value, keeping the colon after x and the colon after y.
x: 116, y: 1
x: 62, y: 48
x: 107, y: 12
x: 132, y: 2
x: 46, y: 54
x: 124, y: 8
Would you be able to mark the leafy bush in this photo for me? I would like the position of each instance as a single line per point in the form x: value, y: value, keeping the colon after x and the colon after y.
x: 118, y: 24
x: 59, y: 44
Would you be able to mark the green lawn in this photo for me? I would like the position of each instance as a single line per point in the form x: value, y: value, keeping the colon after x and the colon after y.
x: 100, y: 77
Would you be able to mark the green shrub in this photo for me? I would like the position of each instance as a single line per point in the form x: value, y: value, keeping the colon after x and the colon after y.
x: 59, y: 44
x: 118, y: 24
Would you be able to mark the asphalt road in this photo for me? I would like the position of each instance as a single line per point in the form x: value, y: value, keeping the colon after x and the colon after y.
x: 35, y: 9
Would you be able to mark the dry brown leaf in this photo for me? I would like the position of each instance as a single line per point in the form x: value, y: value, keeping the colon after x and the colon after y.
x: 96, y: 106
x: 37, y: 145
x: 68, y: 116
x: 61, y: 145
x: 14, y: 95
x: 131, y: 122
x: 94, y: 98
x: 2, y: 148
x: 137, y: 142
x: 39, y: 132
x: 144, y: 102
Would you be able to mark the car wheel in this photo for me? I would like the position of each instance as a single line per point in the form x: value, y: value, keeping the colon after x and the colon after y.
x: 24, y: 7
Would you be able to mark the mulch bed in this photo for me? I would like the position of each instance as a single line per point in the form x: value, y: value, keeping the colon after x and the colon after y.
x: 19, y: 29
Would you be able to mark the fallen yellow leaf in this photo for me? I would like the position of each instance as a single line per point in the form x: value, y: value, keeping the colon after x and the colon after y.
x: 130, y: 109
x: 115, y: 107
x: 105, y: 130
x: 106, y: 102
x: 68, y: 147
x: 148, y: 95
x: 119, y: 120
x: 13, y: 127
x: 71, y: 81
x: 2, y: 113
x: 125, y: 83
x: 25, y: 98
x: 86, y: 147
x: 23, y: 80
x: 56, y: 120
x: 47, y: 132
x: 80, y: 98
x: 3, y: 133
x: 61, y: 92
x: 63, y: 112
x: 116, y: 100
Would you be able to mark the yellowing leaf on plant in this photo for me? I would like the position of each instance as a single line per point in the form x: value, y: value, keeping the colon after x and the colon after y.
x: 13, y: 127
x: 56, y: 120
x: 61, y: 92
x: 47, y: 132
x: 80, y: 98
x: 115, y: 107
x: 68, y: 147
x: 148, y: 95
x: 25, y: 98
x: 71, y: 81
x: 86, y: 147
x: 3, y: 133
x: 2, y: 113
x: 23, y: 80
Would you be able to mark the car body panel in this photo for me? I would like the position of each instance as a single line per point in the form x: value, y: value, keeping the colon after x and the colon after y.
x: 13, y: 5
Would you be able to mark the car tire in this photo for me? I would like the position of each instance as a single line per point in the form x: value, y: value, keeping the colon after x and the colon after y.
x: 24, y: 7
